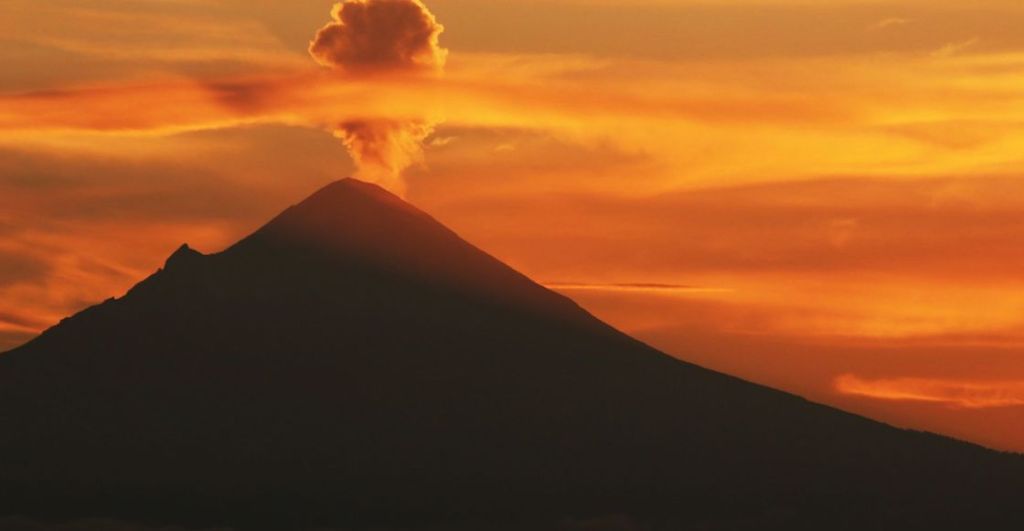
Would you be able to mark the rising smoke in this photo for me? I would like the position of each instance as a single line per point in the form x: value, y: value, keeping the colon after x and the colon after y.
x: 374, y: 37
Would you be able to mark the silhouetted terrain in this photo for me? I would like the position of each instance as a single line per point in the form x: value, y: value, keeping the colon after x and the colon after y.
x: 354, y: 364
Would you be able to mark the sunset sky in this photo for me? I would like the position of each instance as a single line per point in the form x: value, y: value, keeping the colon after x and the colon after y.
x: 819, y: 195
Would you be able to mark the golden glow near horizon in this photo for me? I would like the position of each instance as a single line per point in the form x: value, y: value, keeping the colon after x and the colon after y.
x: 821, y: 196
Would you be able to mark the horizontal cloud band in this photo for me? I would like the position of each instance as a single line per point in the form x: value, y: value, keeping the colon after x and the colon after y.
x: 956, y: 393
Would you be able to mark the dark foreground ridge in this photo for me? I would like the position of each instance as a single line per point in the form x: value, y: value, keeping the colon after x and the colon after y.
x: 355, y: 365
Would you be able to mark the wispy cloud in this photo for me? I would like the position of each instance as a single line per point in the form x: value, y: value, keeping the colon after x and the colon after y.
x: 954, y: 393
x: 638, y: 287
x: 956, y: 48
x: 890, y: 22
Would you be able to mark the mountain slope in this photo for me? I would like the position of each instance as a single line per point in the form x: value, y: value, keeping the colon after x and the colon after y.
x: 353, y: 363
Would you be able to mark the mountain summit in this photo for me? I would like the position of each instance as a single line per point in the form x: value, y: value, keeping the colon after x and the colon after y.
x: 357, y: 222
x: 355, y: 364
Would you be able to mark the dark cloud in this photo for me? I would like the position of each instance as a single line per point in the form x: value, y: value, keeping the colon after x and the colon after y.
x: 16, y: 268
x: 235, y: 179
x: 374, y: 35
x: 21, y: 320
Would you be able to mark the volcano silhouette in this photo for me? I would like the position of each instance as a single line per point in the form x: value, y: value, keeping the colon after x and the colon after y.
x: 354, y: 364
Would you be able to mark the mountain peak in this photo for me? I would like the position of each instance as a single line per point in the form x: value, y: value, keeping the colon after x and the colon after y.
x: 351, y: 185
x: 183, y: 255
x: 351, y: 216
x: 350, y: 193
x: 358, y: 223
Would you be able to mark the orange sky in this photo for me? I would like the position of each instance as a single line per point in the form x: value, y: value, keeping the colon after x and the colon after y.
x: 822, y: 196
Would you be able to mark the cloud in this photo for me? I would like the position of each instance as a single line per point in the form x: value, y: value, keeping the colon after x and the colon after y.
x: 955, y: 393
x: 956, y: 48
x: 17, y: 267
x: 890, y: 22
x: 653, y: 288
x: 375, y: 37
x: 388, y: 35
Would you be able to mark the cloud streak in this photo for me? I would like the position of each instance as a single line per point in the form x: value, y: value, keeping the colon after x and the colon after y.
x: 954, y: 393
x: 638, y: 287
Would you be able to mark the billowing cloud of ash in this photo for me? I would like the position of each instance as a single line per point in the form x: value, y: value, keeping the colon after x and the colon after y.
x: 374, y: 37
x: 369, y: 35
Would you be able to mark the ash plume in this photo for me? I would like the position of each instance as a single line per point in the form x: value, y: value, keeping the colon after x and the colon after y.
x: 382, y: 148
x: 376, y: 35
x: 379, y: 37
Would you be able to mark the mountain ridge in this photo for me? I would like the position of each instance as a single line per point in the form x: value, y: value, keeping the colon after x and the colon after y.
x: 355, y: 363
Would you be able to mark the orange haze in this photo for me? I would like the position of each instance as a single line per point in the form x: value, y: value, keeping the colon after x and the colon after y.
x: 820, y: 196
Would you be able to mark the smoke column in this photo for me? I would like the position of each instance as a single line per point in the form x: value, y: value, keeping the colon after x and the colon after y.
x: 371, y: 38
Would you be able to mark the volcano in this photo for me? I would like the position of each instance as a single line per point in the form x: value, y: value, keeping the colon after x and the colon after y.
x: 354, y: 364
